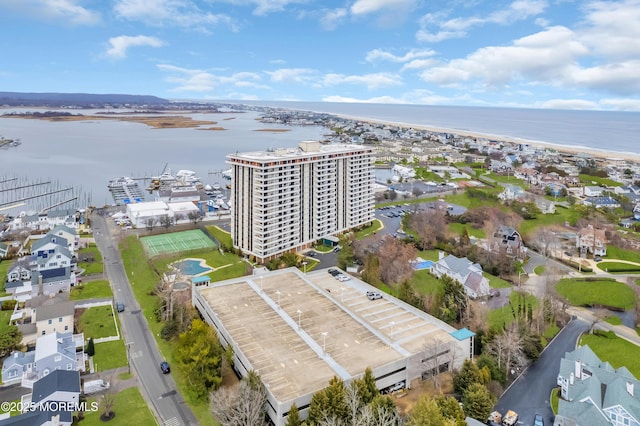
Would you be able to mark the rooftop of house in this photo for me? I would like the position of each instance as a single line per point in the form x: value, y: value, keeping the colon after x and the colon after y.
x: 55, y: 343
x: 54, y: 310
x: 459, y: 265
x: 56, y: 381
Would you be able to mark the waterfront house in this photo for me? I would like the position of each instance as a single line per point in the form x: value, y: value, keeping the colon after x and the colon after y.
x: 464, y: 271
x: 16, y: 365
x: 594, y: 393
x: 512, y: 192
x: 591, y: 240
x: 44, y: 315
x: 59, y: 351
x: 593, y: 191
x: 69, y: 234
x: 51, y: 257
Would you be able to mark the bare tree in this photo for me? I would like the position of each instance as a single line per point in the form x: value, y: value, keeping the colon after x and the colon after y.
x: 166, y: 221
x: 195, y: 216
x: 241, y: 405
x: 545, y: 241
x: 150, y: 223
x: 108, y: 401
x: 396, y: 255
x: 508, y: 349
x: 436, y: 352
x: 430, y: 226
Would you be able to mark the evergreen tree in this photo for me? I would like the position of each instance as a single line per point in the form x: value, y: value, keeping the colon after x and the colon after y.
x: 477, y: 401
x: 318, y: 407
x: 367, y: 389
x: 293, y: 419
x: 91, y: 350
x: 450, y: 409
x: 468, y: 374
x: 427, y: 413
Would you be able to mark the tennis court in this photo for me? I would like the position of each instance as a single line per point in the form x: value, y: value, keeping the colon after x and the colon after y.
x: 176, y: 242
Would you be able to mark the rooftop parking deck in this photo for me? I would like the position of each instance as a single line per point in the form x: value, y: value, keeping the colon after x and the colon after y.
x: 299, y: 330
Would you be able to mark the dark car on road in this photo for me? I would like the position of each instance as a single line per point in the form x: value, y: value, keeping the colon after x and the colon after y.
x: 164, y: 366
x: 120, y: 307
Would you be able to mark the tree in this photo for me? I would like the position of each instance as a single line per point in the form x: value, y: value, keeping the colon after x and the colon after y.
x: 91, y: 350
x: 545, y: 241
x: 108, y: 401
x: 10, y: 338
x: 194, y: 216
x: 150, y: 223
x: 371, y: 271
x: 427, y: 413
x: 199, y: 355
x: 293, y: 419
x: 166, y: 221
x: 477, y: 401
x: 396, y: 255
x: 450, y: 409
x: 430, y: 228
x: 468, y: 375
x: 241, y: 405
x: 367, y: 389
x: 454, y: 300
x: 508, y: 349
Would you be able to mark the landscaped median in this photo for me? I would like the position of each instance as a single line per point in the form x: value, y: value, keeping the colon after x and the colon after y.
x: 604, y: 292
x: 619, y: 267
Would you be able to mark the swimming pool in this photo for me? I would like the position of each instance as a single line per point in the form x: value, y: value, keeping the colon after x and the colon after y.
x: 191, y: 267
x: 425, y: 264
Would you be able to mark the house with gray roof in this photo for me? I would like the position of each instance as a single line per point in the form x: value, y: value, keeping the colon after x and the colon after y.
x: 69, y: 234
x: 16, y: 365
x: 512, y: 192
x: 53, y: 254
x: 4, y: 249
x: 602, y: 202
x: 507, y: 239
x: 594, y: 393
x: 464, y: 271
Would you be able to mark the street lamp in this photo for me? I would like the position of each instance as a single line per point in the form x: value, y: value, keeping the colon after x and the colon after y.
x: 324, y: 342
x: 129, y: 355
x: 299, y: 313
x: 520, y: 273
x: 304, y: 265
x: 278, y: 293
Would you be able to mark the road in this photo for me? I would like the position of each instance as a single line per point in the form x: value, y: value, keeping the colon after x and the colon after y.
x: 157, y: 388
x: 529, y: 394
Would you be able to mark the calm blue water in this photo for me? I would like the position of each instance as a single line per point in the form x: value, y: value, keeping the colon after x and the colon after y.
x: 191, y: 267
x: 89, y: 154
x: 603, y: 130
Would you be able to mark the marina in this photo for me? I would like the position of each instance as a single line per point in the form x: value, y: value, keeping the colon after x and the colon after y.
x: 125, y: 190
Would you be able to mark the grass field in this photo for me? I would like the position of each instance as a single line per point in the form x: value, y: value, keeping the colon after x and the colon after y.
x: 620, y: 267
x: 223, y: 237
x: 130, y: 408
x: 614, y: 252
x: 539, y: 270
x: 608, y: 292
x: 93, y: 265
x: 561, y: 216
x: 425, y: 283
x: 365, y: 232
x: 500, y: 317
x: 596, y: 180
x: 97, y: 322
x: 611, y: 348
x: 176, y: 242
x: 456, y: 228
x: 91, y: 290
x: 4, y: 268
x: 110, y: 355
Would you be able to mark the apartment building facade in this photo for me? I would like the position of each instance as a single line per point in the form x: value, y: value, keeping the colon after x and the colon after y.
x: 285, y: 199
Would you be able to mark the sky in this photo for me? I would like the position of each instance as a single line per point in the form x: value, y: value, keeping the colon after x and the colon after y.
x: 557, y: 54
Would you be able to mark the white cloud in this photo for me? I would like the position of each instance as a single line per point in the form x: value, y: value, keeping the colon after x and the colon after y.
x: 379, y: 54
x: 362, y: 7
x: 120, y: 44
x: 371, y: 81
x: 457, y: 27
x: 376, y: 100
x: 180, y: 13
x: 579, y: 104
x: 622, y: 104
x: 57, y: 10
x: 292, y: 75
x: 622, y: 78
x: 196, y: 80
x: 332, y: 18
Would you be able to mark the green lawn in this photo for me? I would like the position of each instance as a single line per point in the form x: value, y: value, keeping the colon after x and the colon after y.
x: 4, y: 268
x: 500, y: 317
x: 561, y: 216
x: 614, y: 252
x: 97, y: 322
x: 94, y: 264
x: 221, y: 235
x: 456, y: 228
x: 496, y: 282
x: 5, y: 316
x: 109, y: 355
x: 612, y: 319
x: 130, y: 408
x: 555, y: 397
x: 539, y: 270
x: 580, y: 292
x: 429, y: 255
x: 371, y: 229
x: 618, y: 352
x: 614, y: 267
x: 91, y: 290
x: 462, y: 199
x: 507, y: 179
x: 596, y: 180
x: 425, y: 283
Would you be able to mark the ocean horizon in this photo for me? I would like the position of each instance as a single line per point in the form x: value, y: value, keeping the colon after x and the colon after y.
x: 609, y: 132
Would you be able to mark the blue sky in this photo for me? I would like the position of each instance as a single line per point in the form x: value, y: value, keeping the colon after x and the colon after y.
x: 522, y: 53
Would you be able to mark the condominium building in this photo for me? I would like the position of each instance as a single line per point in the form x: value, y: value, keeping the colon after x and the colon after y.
x: 285, y: 199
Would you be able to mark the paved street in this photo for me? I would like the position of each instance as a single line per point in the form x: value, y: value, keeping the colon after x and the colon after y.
x: 529, y: 395
x: 157, y: 388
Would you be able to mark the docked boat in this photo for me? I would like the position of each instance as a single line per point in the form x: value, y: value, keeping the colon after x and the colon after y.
x: 125, y: 190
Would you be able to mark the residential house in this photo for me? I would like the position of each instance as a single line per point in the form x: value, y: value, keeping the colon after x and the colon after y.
x: 60, y: 387
x: 594, y: 393
x: 42, y: 315
x: 545, y: 206
x: 636, y: 211
x: 464, y: 271
x: 59, y: 351
x: 55, y: 317
x: 593, y: 191
x: 69, y: 234
x: 4, y: 250
x: 508, y: 239
x: 591, y: 240
x: 50, y: 256
x: 512, y: 192
x: 16, y: 365
x: 602, y: 202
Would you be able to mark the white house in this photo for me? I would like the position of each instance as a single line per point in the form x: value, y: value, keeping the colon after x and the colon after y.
x: 464, y: 271
x: 512, y: 192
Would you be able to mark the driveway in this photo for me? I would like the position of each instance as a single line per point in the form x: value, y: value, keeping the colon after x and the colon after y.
x: 529, y: 394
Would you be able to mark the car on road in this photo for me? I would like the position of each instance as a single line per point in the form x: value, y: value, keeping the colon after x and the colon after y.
x: 120, y: 307
x: 597, y: 258
x: 538, y: 420
x: 164, y: 367
x: 373, y: 295
x: 568, y: 253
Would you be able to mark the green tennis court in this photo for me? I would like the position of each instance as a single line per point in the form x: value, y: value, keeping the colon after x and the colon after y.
x: 176, y: 242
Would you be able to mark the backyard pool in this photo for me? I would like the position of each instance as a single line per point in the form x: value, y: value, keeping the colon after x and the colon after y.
x: 191, y: 267
x: 423, y: 264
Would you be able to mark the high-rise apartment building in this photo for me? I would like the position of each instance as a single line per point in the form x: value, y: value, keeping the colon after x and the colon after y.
x: 285, y: 199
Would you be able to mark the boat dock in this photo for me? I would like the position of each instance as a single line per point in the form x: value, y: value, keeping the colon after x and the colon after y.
x: 125, y: 190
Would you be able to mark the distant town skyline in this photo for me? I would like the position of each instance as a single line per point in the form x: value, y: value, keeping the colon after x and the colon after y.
x: 559, y: 54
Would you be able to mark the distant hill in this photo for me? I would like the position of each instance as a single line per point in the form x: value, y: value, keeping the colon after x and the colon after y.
x: 76, y: 99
